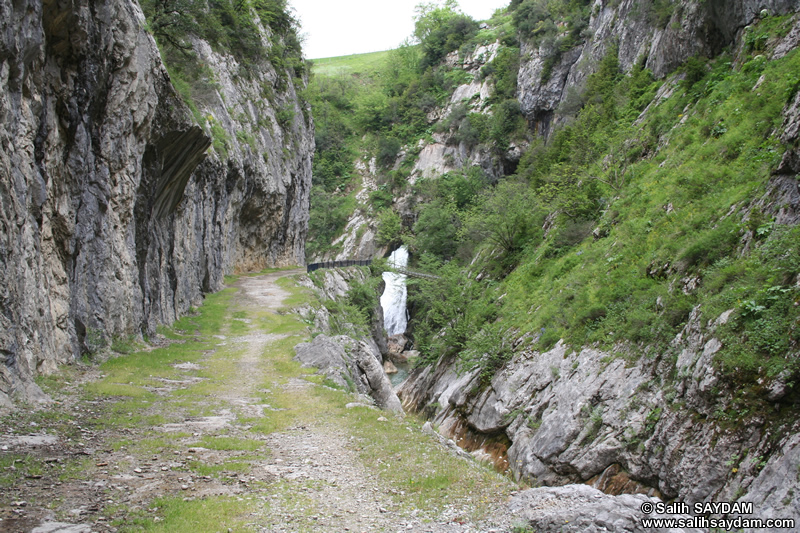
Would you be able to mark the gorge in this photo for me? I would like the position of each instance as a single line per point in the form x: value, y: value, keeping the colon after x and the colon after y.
x: 600, y: 196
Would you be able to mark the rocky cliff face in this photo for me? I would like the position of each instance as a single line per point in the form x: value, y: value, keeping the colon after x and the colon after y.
x: 694, y: 28
x: 116, y: 217
x: 587, y: 416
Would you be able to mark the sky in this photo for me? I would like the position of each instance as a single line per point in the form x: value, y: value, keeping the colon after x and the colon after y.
x: 343, y: 27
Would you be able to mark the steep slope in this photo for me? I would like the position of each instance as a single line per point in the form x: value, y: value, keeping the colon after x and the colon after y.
x: 116, y: 217
x: 627, y: 315
x: 658, y: 35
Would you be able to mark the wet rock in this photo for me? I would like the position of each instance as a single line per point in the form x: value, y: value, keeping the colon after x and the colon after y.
x: 396, y: 345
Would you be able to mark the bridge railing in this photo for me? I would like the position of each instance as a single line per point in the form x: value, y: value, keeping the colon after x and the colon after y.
x: 366, y: 262
x: 338, y: 264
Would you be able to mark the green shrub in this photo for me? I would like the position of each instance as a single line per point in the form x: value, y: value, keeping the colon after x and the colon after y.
x: 390, y: 228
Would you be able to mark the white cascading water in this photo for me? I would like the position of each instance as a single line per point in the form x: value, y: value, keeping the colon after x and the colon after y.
x: 393, y: 299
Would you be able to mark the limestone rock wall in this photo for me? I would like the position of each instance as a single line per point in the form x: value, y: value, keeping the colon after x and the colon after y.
x: 587, y: 416
x: 116, y: 216
x: 696, y: 28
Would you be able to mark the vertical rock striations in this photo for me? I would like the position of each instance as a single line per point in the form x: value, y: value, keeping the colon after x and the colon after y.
x: 115, y: 215
x: 693, y: 28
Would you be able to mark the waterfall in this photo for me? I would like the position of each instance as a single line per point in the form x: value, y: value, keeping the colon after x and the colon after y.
x: 393, y: 299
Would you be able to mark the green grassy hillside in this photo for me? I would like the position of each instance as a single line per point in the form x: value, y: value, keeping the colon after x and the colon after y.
x: 352, y: 65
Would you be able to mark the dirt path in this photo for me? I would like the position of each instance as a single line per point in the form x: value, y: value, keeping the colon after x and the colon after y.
x: 224, y: 427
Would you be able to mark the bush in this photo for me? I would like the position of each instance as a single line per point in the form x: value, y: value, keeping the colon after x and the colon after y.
x: 436, y: 230
x: 390, y: 228
x: 712, y: 246
x: 388, y: 148
x: 441, y: 30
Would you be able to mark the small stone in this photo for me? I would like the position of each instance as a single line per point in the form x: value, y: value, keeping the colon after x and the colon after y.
x: 137, y: 470
x: 382, y: 419
x: 184, y: 487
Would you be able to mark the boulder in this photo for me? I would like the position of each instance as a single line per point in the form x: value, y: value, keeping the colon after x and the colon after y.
x: 348, y: 362
x: 580, y: 508
x: 389, y: 367
x: 396, y: 344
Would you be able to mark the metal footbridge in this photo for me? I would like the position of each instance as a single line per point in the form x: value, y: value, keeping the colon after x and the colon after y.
x: 367, y: 262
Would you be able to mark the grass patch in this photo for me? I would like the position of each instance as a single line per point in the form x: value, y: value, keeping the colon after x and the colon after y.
x: 280, y: 324
x: 229, y: 444
x: 298, y: 295
x: 233, y: 467
x: 176, y: 516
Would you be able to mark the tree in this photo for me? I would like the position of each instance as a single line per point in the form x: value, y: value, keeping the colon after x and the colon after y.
x: 431, y: 16
x: 436, y: 230
x: 441, y: 29
x: 171, y: 21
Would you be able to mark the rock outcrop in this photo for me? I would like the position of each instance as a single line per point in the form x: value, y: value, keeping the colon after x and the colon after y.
x: 593, y: 417
x: 116, y: 217
x: 694, y: 28
x: 578, y: 508
x: 350, y: 363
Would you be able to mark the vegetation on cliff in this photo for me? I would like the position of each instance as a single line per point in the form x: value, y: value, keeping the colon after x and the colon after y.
x: 248, y: 31
x: 651, y: 201
x: 381, y: 110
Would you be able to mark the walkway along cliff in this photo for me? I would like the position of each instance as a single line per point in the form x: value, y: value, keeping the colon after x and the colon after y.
x: 121, y: 206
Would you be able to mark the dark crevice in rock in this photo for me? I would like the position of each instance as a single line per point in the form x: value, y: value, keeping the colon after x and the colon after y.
x: 178, y: 154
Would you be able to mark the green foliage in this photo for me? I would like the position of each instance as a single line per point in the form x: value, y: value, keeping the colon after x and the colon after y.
x: 503, y: 71
x: 230, y: 27
x: 498, y: 129
x: 329, y: 214
x: 285, y: 116
x: 763, y: 336
x: 436, y: 230
x: 643, y: 223
x: 355, y: 312
x: 332, y: 102
x: 441, y: 30
x: 219, y: 138
x: 448, y: 311
x: 659, y: 12
x: 506, y: 217
x: 390, y: 227
x: 488, y: 350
